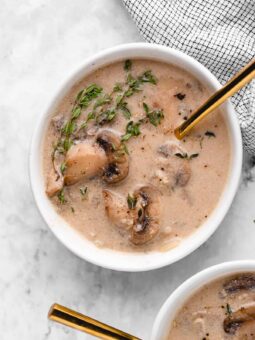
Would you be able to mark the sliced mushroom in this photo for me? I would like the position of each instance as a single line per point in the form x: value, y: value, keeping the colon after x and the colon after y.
x: 247, y: 331
x: 147, y: 218
x: 117, y: 210
x: 182, y: 174
x: 55, y: 182
x: 240, y: 282
x: 117, y: 167
x: 177, y: 169
x: 169, y: 149
x: 242, y: 318
x: 84, y: 161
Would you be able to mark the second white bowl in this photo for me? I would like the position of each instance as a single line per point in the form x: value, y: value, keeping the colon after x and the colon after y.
x: 177, y: 299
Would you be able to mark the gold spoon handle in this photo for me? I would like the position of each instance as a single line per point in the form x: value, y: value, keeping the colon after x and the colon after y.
x: 231, y: 87
x: 86, y: 324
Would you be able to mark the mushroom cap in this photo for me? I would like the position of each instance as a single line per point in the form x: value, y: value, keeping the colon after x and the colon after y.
x: 117, y: 210
x: 240, y: 282
x: 84, y: 161
x: 117, y: 167
x: 147, y: 217
x: 246, y: 331
x: 240, y: 321
x: 169, y: 149
x: 178, y: 169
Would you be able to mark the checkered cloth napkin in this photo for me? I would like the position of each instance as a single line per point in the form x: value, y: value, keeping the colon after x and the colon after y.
x: 218, y: 33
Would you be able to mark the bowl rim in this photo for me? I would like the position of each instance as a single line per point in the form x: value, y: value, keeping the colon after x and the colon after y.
x: 141, y: 261
x: 177, y: 298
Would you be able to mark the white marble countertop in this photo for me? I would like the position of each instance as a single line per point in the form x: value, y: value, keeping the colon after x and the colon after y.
x: 41, y: 42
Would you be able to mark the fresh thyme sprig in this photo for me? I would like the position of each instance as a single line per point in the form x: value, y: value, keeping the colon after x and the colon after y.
x: 132, y: 129
x: 131, y: 201
x: 154, y: 116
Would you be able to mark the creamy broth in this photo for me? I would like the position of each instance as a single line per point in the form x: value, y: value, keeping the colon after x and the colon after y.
x: 183, y: 179
x: 223, y: 309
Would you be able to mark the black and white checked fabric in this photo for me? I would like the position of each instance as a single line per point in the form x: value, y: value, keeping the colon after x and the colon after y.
x: 218, y: 33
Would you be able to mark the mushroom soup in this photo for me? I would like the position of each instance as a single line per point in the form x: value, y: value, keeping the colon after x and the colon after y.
x: 113, y: 168
x: 222, y: 309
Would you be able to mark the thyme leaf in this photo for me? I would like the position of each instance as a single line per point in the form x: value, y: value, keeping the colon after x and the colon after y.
x: 131, y: 201
x: 106, y: 116
x: 148, y: 77
x: 61, y: 196
x: 124, y: 109
x: 62, y: 168
x: 154, y: 116
x: 117, y: 87
x: 228, y: 309
x: 127, y: 65
x: 106, y: 99
x: 132, y: 129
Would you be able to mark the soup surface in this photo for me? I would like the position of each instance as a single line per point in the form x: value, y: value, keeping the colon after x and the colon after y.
x: 223, y: 309
x: 113, y: 168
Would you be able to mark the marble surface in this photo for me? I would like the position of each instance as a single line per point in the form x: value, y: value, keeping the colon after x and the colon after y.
x: 41, y: 42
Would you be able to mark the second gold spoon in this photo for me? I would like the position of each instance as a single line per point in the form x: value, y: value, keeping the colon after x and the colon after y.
x: 231, y: 87
x: 86, y: 324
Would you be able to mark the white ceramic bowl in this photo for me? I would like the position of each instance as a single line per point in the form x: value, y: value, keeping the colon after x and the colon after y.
x: 177, y: 299
x: 134, y: 261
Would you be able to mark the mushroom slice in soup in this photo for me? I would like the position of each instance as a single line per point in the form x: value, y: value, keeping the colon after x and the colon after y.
x: 169, y: 149
x: 117, y: 166
x: 240, y: 282
x: 84, y: 161
x: 143, y: 220
x: 55, y: 183
x: 175, y: 163
x: 147, y: 218
x: 117, y: 210
x: 241, y: 321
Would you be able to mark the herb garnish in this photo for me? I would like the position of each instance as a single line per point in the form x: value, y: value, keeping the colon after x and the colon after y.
x: 133, y: 85
x: 82, y: 101
x: 147, y: 77
x: 127, y: 65
x: 117, y: 87
x: 186, y: 156
x: 125, y: 110
x: 106, y: 116
x: 62, y: 168
x: 61, y: 196
x: 228, y: 309
x: 210, y: 134
x: 131, y: 201
x: 155, y: 116
x: 132, y: 129
x: 86, y: 95
x: 106, y: 99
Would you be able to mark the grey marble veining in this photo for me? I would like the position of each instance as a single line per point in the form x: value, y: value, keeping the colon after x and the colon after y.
x: 41, y: 42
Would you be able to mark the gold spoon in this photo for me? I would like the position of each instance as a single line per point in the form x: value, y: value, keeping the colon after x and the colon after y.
x: 231, y: 87
x: 86, y: 324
